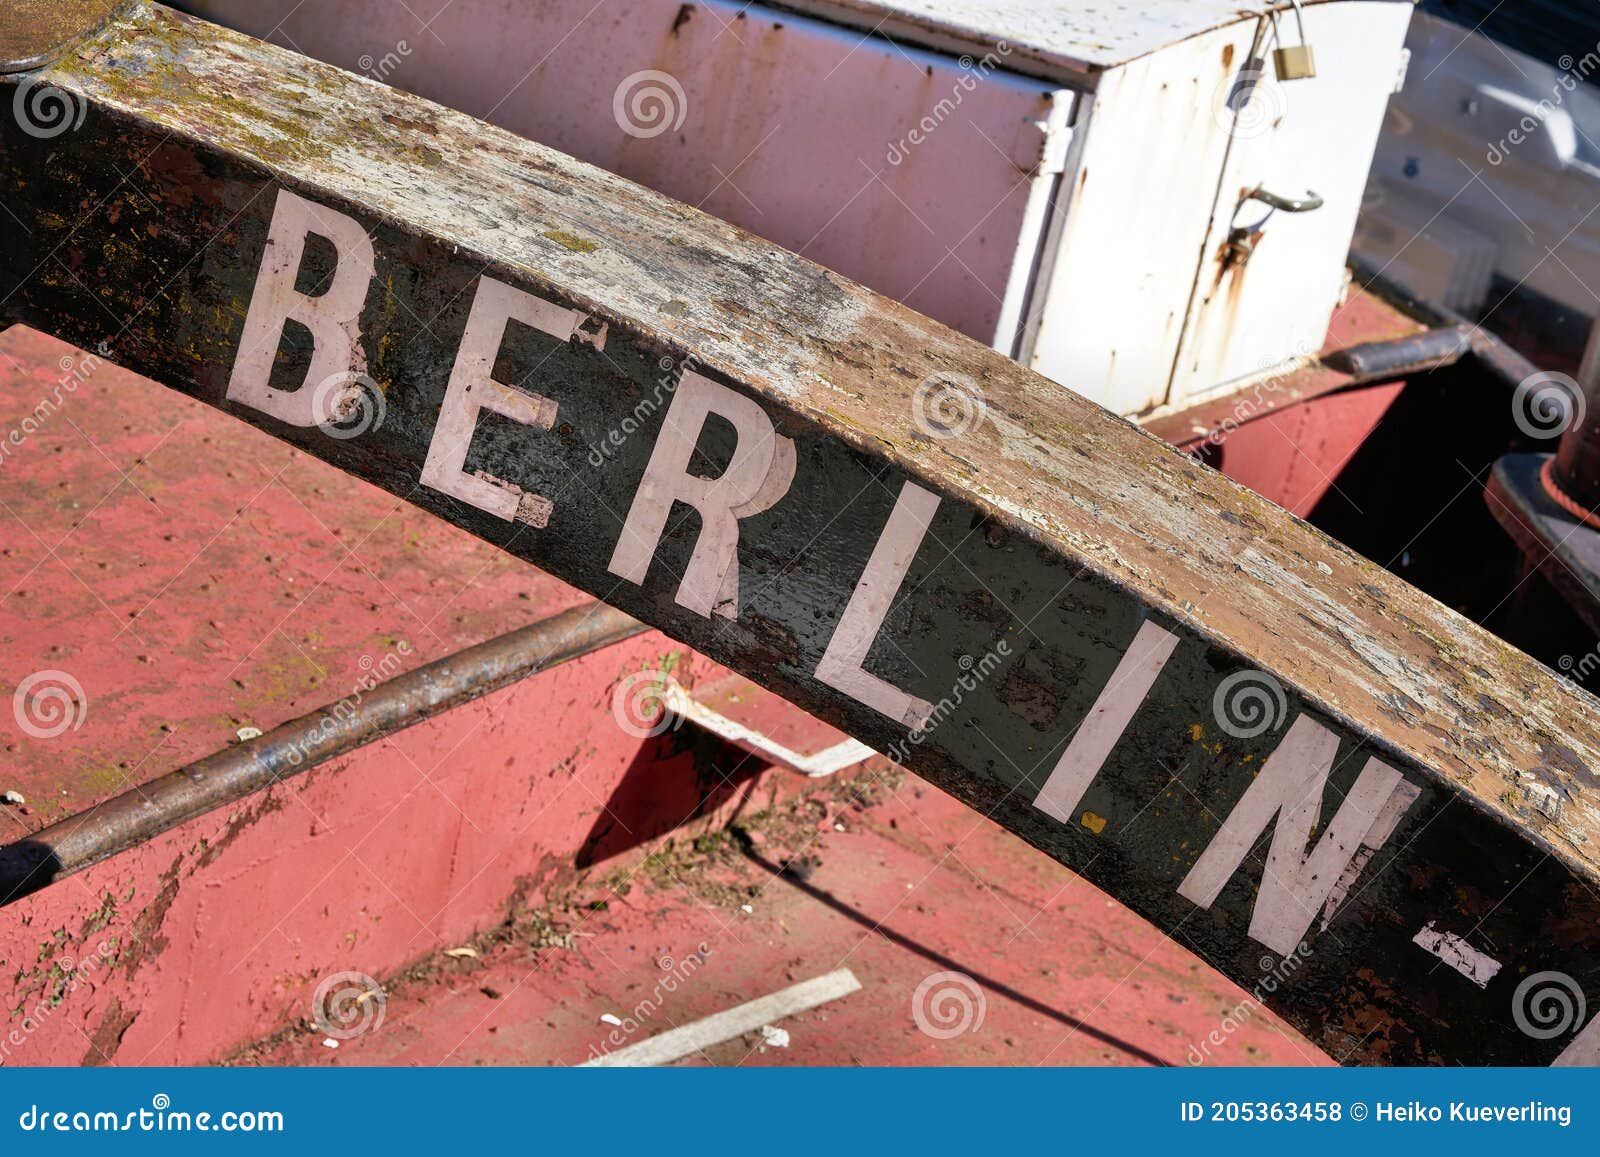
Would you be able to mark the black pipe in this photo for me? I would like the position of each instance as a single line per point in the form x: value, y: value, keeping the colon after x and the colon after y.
x: 1417, y: 353
x: 123, y: 822
x: 1575, y: 473
x: 1577, y: 465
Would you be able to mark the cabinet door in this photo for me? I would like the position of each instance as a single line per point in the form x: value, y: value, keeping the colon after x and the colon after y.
x: 1137, y: 202
x: 1251, y: 314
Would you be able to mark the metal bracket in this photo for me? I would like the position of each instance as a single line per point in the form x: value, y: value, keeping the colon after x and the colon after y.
x: 762, y: 730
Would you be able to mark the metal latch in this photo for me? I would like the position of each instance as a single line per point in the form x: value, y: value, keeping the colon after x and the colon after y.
x: 1242, y: 239
x: 1293, y: 61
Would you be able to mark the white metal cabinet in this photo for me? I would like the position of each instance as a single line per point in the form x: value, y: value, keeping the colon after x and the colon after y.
x: 1054, y: 177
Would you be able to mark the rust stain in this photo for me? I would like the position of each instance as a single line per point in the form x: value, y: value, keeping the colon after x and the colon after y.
x: 107, y: 1038
x: 238, y: 823
x: 146, y: 939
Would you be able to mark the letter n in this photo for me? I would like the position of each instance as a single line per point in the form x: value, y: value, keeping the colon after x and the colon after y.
x: 1295, y: 883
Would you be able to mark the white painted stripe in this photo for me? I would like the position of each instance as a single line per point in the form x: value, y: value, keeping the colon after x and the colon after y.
x: 1404, y: 795
x: 676, y: 1043
x: 1478, y: 967
x: 841, y: 755
x: 1105, y: 723
x: 1584, y: 1049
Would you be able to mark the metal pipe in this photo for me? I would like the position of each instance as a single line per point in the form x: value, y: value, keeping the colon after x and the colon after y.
x: 144, y: 812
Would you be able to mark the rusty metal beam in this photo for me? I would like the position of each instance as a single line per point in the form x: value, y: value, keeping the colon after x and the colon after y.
x: 1033, y: 604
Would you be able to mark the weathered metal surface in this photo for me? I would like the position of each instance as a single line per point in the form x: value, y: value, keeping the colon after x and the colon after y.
x: 1056, y: 39
x: 1484, y: 245
x: 1049, y: 597
x: 1386, y: 360
x: 1059, y: 995
x: 1370, y: 340
x: 1577, y: 468
x: 1107, y: 315
x: 1270, y: 281
x: 1555, y: 544
x: 35, y: 32
x: 230, y: 580
x: 145, y: 811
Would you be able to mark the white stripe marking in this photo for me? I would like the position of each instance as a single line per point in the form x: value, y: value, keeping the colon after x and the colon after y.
x: 1584, y: 1049
x: 677, y: 1043
x: 1478, y: 967
x: 829, y: 760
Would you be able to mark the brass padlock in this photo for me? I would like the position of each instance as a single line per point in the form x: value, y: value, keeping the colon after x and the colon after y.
x: 1294, y: 62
